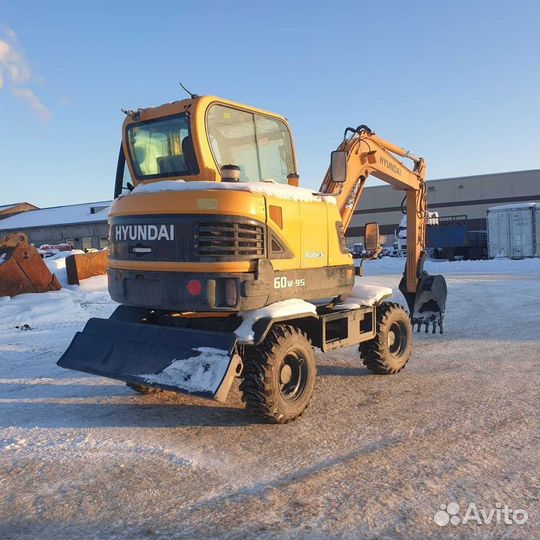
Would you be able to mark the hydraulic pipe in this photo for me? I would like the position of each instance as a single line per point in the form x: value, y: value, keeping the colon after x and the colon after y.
x: 395, y: 149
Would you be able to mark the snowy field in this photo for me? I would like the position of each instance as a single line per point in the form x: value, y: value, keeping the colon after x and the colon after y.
x: 372, y: 457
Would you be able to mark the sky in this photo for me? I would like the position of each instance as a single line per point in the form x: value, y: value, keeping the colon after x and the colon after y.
x: 456, y: 82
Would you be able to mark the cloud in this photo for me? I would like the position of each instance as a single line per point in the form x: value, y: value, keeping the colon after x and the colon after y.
x: 26, y: 94
x: 15, y: 71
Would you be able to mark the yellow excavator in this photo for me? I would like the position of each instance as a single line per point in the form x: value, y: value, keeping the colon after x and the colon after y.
x: 224, y: 267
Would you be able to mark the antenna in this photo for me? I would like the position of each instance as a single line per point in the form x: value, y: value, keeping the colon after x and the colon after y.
x: 192, y: 96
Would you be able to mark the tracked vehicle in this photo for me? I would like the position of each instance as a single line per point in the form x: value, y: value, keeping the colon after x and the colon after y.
x: 224, y: 267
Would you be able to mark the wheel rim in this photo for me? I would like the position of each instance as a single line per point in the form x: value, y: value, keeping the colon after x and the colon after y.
x: 293, y: 374
x: 397, y: 339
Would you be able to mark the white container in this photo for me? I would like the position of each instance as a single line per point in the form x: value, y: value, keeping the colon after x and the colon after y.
x: 514, y: 230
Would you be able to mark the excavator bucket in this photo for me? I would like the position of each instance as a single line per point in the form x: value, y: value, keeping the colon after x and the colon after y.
x: 187, y: 361
x: 22, y: 270
x: 428, y: 304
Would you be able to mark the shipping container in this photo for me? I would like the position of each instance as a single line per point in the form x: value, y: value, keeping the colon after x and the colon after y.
x: 447, y: 237
x: 450, y: 238
x: 513, y: 230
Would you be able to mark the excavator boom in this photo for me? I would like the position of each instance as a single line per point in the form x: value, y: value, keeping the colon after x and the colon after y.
x: 362, y: 153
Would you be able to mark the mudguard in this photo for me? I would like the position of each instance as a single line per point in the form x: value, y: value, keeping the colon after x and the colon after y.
x: 187, y: 361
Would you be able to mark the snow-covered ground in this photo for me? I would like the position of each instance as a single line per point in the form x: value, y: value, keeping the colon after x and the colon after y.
x: 374, y: 456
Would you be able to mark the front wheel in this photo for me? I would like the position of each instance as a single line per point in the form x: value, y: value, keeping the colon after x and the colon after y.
x: 279, y: 375
x: 389, y: 351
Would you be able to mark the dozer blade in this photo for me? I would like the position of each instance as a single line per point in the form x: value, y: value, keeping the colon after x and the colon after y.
x: 187, y: 361
x: 22, y: 270
x: 428, y: 304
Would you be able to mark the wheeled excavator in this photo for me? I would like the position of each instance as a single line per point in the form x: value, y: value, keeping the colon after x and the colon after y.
x: 225, y: 267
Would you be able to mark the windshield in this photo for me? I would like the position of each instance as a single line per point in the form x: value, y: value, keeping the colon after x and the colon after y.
x: 260, y: 145
x: 162, y: 148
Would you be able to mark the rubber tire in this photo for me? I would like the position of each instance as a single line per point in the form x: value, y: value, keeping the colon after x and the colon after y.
x: 376, y: 354
x: 143, y: 389
x: 260, y: 379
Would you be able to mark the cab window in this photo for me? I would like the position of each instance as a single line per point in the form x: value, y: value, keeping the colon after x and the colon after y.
x: 260, y: 145
x: 162, y: 148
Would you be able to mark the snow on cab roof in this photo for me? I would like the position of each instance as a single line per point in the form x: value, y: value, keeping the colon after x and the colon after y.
x: 266, y: 187
x: 58, y: 215
x: 514, y: 206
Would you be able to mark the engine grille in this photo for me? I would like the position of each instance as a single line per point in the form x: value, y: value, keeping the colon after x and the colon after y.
x: 229, y: 240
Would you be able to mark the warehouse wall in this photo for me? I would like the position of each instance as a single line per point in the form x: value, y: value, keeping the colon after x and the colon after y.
x: 82, y: 235
x: 468, y: 195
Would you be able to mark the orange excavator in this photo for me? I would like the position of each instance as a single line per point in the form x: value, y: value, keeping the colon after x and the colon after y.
x: 224, y: 267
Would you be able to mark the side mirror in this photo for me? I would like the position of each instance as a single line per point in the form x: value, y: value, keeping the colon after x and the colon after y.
x: 371, y: 237
x: 338, y: 166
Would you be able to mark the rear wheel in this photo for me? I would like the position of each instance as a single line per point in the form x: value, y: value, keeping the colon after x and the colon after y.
x: 143, y: 389
x: 390, y: 350
x: 279, y: 375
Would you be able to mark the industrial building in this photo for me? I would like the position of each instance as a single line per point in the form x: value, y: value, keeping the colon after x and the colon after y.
x: 468, y: 196
x: 83, y: 226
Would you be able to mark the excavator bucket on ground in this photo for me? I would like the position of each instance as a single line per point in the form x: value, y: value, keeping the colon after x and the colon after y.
x: 22, y: 270
x: 175, y: 359
x: 428, y: 303
x: 85, y: 265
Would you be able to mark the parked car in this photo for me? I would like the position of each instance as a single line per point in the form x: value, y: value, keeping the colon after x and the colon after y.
x: 358, y: 250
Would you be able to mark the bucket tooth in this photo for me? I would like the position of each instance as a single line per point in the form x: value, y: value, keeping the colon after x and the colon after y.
x: 428, y: 303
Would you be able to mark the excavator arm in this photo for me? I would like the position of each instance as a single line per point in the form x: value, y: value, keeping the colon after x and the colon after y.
x: 362, y: 153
